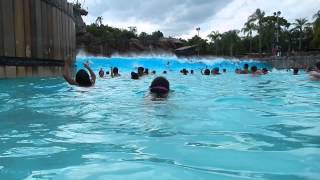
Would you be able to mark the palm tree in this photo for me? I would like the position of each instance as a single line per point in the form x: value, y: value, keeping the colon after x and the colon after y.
x: 248, y: 29
x: 257, y: 19
x: 300, y: 25
x: 99, y: 21
x: 316, y: 30
x: 214, y: 36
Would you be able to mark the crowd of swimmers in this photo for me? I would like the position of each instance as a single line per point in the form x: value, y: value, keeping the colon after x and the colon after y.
x: 160, y: 86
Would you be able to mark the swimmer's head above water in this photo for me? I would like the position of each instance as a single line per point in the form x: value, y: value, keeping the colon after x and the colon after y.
x: 160, y: 87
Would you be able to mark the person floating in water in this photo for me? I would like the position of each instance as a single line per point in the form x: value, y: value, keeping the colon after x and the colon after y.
x: 255, y: 71
x: 295, y: 71
x: 141, y: 71
x: 164, y: 72
x: 215, y: 71
x: 134, y: 76
x: 315, y: 75
x: 191, y: 72
x: 146, y: 71
x: 160, y: 87
x: 245, y: 69
x: 205, y: 72
x: 265, y: 71
x: 224, y: 71
x: 101, y: 73
x: 184, y: 72
x: 83, y: 79
x: 115, y: 72
x: 153, y: 72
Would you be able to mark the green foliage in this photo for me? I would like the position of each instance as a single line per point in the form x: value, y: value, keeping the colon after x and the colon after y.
x: 260, y: 34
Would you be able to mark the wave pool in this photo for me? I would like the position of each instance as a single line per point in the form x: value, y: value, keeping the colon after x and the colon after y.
x: 214, y: 127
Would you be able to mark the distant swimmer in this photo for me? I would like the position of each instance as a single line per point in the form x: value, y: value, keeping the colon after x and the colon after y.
x: 265, y: 71
x: 115, y: 72
x: 191, y: 72
x: 295, y: 71
x: 146, y: 71
x: 134, y: 76
x: 245, y: 69
x: 315, y: 75
x: 83, y: 79
x: 141, y: 71
x: 215, y: 71
x: 101, y: 73
x: 205, y: 72
x: 160, y: 87
x: 255, y: 71
x: 184, y: 72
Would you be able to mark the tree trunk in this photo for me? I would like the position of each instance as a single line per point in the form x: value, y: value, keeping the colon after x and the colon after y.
x: 300, y: 41
x: 250, y: 48
x: 260, y: 44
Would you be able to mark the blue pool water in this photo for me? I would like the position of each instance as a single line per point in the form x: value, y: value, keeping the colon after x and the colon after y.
x: 224, y: 127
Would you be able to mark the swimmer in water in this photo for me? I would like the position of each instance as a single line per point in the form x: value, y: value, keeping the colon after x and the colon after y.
x: 255, y: 71
x: 215, y: 71
x: 134, y: 76
x: 245, y: 69
x: 141, y: 71
x: 83, y: 79
x: 295, y: 71
x: 115, y: 72
x: 184, y: 72
x: 101, y: 73
x: 206, y: 72
x: 315, y: 75
x: 265, y: 71
x: 160, y: 87
x: 146, y: 71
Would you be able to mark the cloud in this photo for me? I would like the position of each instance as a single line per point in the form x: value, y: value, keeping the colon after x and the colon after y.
x: 179, y: 18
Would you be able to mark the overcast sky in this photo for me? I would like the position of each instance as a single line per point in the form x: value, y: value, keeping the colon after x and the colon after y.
x: 180, y: 18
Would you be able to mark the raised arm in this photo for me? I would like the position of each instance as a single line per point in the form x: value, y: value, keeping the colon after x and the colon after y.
x: 92, y: 74
x: 66, y: 74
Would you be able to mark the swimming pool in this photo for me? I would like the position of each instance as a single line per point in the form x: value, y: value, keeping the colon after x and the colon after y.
x: 216, y: 127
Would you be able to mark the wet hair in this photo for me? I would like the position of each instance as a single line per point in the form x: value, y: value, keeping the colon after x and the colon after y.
x: 254, y: 69
x: 164, y: 72
x: 160, y: 86
x: 191, y: 71
x: 101, y: 73
x: 184, y: 71
x: 246, y: 66
x: 115, y: 70
x: 265, y: 71
x: 140, y: 71
x: 108, y: 72
x: 83, y: 78
x: 207, y: 72
x: 154, y: 72
x: 146, y: 71
x: 134, y: 76
x: 318, y: 65
x: 224, y: 70
x: 295, y: 71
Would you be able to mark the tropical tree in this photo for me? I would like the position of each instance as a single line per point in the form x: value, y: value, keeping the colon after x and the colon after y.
x: 257, y: 19
x: 214, y: 37
x: 99, y: 21
x: 300, y: 25
x: 248, y: 30
x: 229, y: 40
x: 316, y: 30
